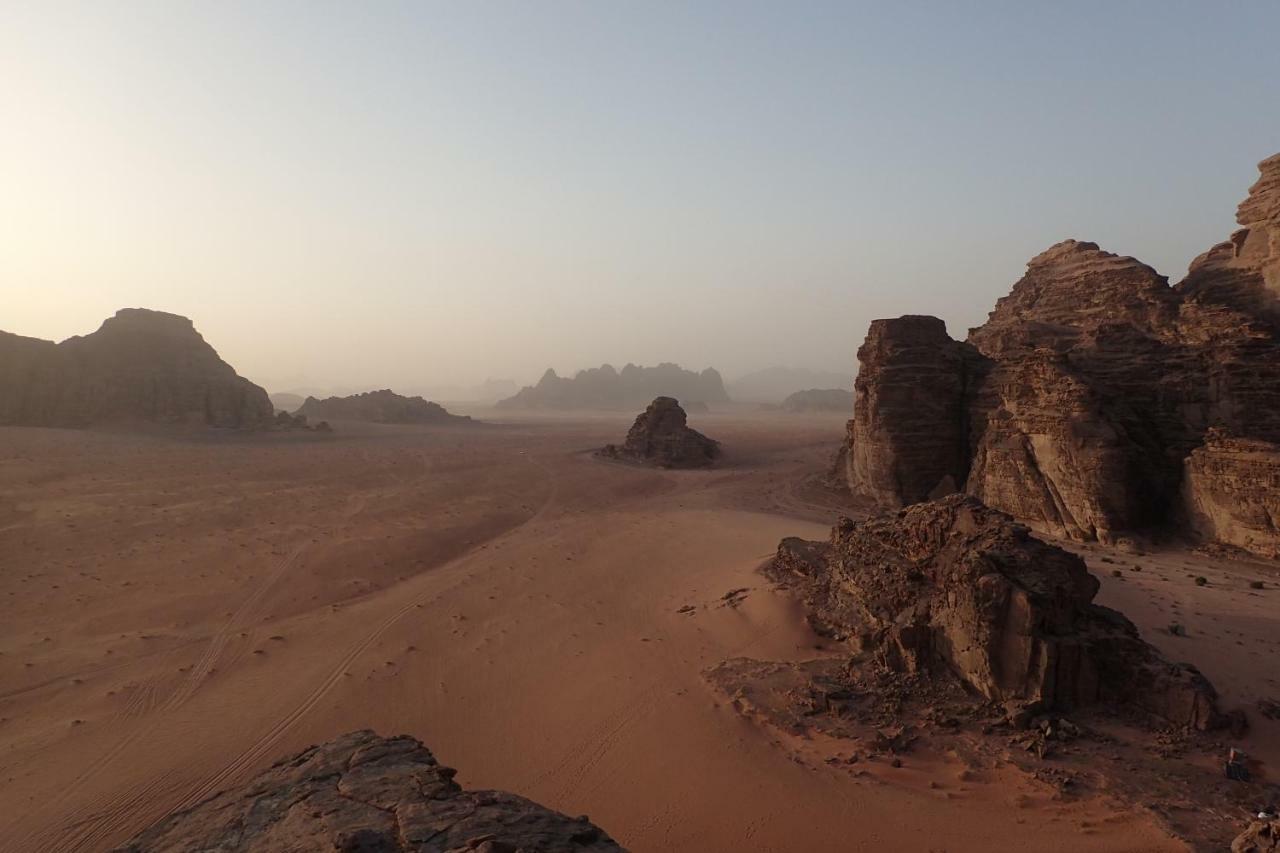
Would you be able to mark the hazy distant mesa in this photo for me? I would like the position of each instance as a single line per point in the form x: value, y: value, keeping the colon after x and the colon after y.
x: 379, y: 407
x: 605, y: 387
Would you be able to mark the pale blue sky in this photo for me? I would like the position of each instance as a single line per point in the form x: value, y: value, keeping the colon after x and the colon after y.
x: 372, y: 194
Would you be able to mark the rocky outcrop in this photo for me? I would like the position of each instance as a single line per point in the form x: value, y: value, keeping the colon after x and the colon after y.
x: 380, y: 407
x: 819, y: 400
x: 661, y: 437
x: 1231, y: 492
x: 140, y: 365
x: 1077, y: 405
x: 953, y: 586
x: 908, y: 439
x: 362, y: 793
x: 1262, y: 836
x: 606, y: 388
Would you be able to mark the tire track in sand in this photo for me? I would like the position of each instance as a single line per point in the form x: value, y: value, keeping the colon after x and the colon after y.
x: 143, y: 700
x: 268, y: 740
x: 92, y: 826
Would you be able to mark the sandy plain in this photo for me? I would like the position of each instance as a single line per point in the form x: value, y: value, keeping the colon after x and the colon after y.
x: 179, y: 610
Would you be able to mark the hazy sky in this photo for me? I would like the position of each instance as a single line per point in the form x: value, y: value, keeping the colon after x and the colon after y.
x: 371, y: 194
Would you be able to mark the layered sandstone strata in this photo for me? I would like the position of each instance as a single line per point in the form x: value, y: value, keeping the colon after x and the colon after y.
x: 1076, y: 407
x: 1231, y: 492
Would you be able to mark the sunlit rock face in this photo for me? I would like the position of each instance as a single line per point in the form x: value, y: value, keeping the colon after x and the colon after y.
x: 1078, y: 405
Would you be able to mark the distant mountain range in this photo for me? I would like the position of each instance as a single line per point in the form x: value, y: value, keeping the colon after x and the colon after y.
x: 775, y: 384
x: 605, y: 387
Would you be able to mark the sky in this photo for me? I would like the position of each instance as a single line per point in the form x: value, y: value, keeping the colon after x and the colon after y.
x: 356, y: 195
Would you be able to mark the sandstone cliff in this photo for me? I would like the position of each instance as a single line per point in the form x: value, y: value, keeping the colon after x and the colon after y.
x: 1077, y: 407
x: 955, y: 587
x: 606, y: 388
x: 660, y: 436
x: 379, y: 407
x: 139, y: 366
x: 362, y: 793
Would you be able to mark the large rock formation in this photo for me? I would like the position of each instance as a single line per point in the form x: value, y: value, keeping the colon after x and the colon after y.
x: 1231, y: 492
x: 907, y: 440
x: 139, y: 366
x: 661, y: 437
x: 379, y: 407
x: 952, y: 585
x: 1078, y: 405
x: 606, y: 388
x: 819, y: 400
x: 362, y: 793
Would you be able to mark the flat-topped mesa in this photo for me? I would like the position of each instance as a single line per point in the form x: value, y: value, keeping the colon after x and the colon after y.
x: 362, y: 793
x: 140, y: 365
x: 908, y: 440
x: 1077, y: 405
x: 380, y: 407
x: 953, y: 586
x: 660, y: 437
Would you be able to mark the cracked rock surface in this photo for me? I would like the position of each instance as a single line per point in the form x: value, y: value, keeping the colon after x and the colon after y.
x: 363, y: 793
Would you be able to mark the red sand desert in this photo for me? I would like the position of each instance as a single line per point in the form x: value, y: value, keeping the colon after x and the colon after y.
x: 179, y: 610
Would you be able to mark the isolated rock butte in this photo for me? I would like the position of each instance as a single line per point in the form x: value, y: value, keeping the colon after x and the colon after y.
x: 607, y: 388
x: 955, y: 586
x: 379, y: 407
x: 1081, y: 403
x: 661, y: 437
x: 362, y: 793
x: 140, y: 365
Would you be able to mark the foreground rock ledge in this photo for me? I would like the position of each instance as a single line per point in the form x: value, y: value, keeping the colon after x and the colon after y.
x: 362, y: 793
x: 661, y: 437
x: 954, y: 586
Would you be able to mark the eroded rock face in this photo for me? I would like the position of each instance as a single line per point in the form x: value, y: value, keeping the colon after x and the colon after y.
x: 953, y: 585
x: 1076, y: 405
x: 908, y: 439
x: 661, y: 437
x: 605, y: 387
x: 140, y: 365
x: 370, y: 794
x: 379, y: 407
x: 1231, y: 492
